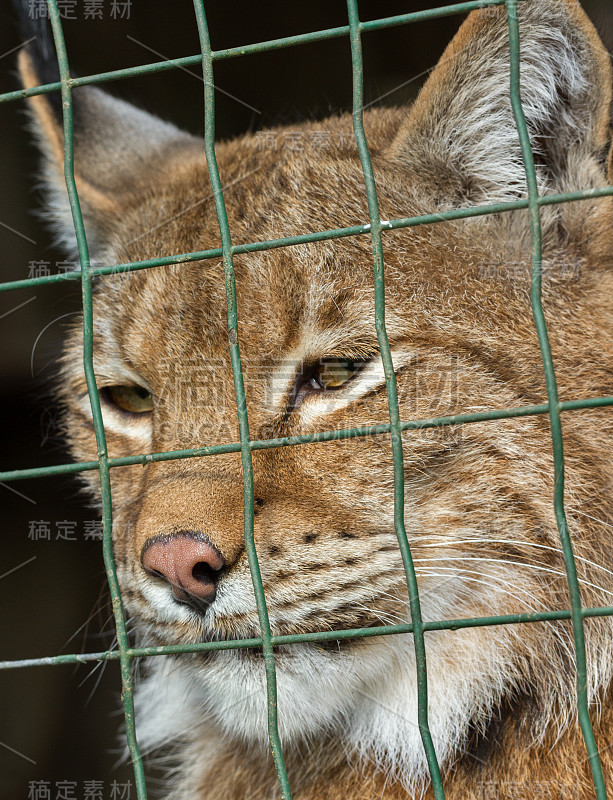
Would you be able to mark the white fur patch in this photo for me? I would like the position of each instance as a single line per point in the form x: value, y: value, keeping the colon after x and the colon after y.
x: 366, y: 697
x: 367, y: 700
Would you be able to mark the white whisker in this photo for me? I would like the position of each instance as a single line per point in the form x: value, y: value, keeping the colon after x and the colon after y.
x: 504, y: 583
x: 487, y: 540
x: 589, y: 516
x: 548, y: 570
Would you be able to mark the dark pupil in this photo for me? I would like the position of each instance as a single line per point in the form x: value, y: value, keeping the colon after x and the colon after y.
x: 140, y: 392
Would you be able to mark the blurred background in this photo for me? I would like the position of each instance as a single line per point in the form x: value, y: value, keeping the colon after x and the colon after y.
x: 59, y: 724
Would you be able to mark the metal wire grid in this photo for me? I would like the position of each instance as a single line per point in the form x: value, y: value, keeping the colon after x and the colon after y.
x: 375, y: 228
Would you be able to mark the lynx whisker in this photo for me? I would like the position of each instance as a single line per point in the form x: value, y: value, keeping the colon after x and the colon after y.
x: 502, y: 561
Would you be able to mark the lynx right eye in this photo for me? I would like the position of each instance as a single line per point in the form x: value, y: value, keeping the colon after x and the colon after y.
x: 133, y: 399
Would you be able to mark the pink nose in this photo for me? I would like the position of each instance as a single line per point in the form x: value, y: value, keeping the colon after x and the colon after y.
x: 188, y: 562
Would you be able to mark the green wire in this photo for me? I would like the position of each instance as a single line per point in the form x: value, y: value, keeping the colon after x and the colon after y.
x: 241, y: 403
x: 316, y: 636
x: 258, y: 47
x: 318, y: 236
x: 392, y: 399
x: 554, y: 403
x: 88, y: 365
x: 307, y: 438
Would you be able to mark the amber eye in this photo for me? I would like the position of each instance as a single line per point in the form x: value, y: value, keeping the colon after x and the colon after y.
x: 133, y: 399
x: 332, y: 373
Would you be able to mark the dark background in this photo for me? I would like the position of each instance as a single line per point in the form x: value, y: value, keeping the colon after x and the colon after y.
x: 59, y: 723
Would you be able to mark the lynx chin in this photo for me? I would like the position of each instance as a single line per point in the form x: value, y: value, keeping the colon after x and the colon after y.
x: 479, y: 509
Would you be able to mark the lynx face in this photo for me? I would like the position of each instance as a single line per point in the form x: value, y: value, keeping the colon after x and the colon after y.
x: 479, y: 513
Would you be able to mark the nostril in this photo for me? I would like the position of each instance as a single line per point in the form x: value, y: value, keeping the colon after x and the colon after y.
x: 204, y: 573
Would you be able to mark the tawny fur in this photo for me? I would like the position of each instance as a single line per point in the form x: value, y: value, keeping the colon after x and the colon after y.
x: 479, y: 510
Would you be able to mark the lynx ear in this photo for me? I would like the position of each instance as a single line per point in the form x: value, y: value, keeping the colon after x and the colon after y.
x: 119, y: 149
x: 460, y: 136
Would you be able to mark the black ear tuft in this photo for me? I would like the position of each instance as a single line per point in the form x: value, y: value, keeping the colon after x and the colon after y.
x: 35, y: 29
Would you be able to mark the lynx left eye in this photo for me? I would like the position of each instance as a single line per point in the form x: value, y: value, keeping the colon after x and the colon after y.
x: 133, y: 399
x: 333, y: 373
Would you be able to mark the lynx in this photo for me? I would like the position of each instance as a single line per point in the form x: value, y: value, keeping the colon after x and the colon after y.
x: 479, y: 511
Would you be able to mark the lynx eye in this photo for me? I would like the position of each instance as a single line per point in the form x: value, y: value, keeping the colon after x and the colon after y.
x: 333, y: 373
x: 133, y: 399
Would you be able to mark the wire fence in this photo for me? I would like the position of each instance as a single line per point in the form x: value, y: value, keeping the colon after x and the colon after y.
x: 375, y: 228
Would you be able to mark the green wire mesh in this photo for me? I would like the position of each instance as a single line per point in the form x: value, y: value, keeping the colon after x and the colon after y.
x: 375, y: 228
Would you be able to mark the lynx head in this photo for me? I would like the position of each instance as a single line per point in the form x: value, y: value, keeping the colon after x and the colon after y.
x: 478, y: 497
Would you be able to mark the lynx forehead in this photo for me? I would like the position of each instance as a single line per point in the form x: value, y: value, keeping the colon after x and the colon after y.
x: 479, y: 513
